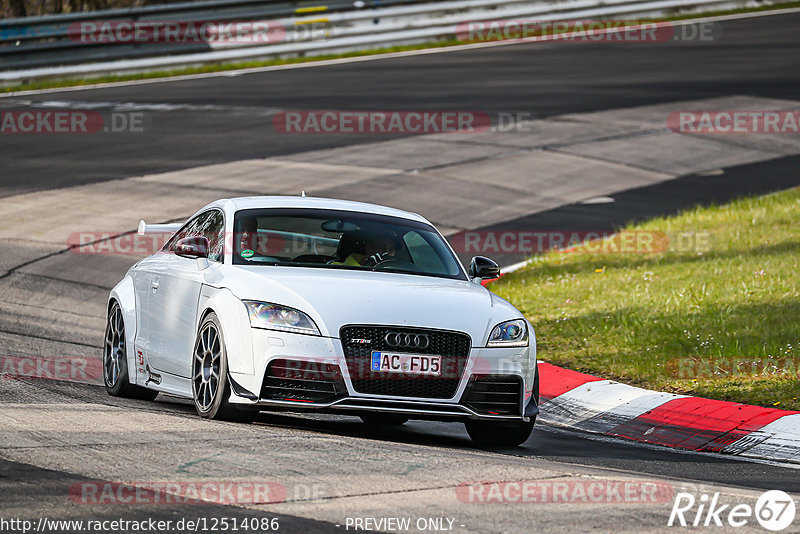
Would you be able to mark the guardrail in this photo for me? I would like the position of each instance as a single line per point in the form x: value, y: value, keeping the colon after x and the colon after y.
x: 49, y: 40
x: 47, y: 47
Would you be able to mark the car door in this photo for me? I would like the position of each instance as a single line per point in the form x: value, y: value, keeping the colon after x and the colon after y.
x: 142, y: 276
x: 175, y: 293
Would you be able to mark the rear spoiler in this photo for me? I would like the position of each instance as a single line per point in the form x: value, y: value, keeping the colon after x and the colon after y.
x: 145, y: 228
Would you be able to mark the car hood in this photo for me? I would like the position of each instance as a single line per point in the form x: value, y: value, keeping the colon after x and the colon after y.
x: 334, y: 297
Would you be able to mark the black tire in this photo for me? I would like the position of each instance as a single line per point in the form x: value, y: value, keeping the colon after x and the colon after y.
x: 115, y: 360
x: 384, y: 419
x: 506, y: 434
x: 210, y: 386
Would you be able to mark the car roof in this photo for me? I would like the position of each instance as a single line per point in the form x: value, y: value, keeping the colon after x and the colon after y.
x: 242, y: 203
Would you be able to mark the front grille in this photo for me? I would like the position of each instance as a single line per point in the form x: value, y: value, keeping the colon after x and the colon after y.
x: 494, y: 394
x: 304, y: 381
x: 359, y: 342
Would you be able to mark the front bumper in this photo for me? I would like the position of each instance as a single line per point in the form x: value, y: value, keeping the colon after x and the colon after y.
x: 318, y: 352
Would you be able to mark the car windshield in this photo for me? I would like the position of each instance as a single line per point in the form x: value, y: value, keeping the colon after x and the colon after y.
x: 334, y: 239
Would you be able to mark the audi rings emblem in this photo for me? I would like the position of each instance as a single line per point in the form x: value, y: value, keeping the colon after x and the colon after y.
x: 407, y: 341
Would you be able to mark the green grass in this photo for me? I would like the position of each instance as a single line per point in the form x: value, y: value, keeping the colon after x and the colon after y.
x: 686, y: 321
x: 223, y: 67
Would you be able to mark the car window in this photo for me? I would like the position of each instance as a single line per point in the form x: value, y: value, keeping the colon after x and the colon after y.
x: 422, y: 254
x: 209, y: 224
x: 337, y: 239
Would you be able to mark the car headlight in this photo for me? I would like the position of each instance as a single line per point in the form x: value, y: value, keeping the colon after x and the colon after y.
x: 277, y: 317
x: 509, y: 334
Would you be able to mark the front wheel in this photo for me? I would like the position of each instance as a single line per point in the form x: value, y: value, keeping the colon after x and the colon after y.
x: 210, y: 387
x: 115, y: 361
x: 491, y: 433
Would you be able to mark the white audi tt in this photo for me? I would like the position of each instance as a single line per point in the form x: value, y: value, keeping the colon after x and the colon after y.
x: 295, y: 303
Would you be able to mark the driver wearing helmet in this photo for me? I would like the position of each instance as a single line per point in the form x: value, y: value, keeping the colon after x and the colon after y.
x: 370, y: 251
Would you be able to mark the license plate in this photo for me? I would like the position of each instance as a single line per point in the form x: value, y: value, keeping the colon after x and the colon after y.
x: 413, y: 364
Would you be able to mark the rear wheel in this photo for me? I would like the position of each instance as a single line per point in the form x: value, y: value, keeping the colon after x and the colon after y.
x: 210, y: 386
x: 385, y: 419
x: 115, y: 361
x: 491, y: 433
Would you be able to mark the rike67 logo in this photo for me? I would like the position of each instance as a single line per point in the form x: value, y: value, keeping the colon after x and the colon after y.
x: 774, y: 510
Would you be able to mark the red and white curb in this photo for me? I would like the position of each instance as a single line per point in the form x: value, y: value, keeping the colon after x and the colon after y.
x: 588, y: 403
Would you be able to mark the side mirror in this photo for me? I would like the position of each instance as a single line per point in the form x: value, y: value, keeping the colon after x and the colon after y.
x: 483, y: 268
x: 192, y: 247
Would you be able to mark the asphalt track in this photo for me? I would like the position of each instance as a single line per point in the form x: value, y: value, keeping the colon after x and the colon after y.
x: 225, y: 119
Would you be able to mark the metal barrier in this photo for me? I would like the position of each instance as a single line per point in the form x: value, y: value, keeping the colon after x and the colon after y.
x: 49, y: 40
x: 46, y: 47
